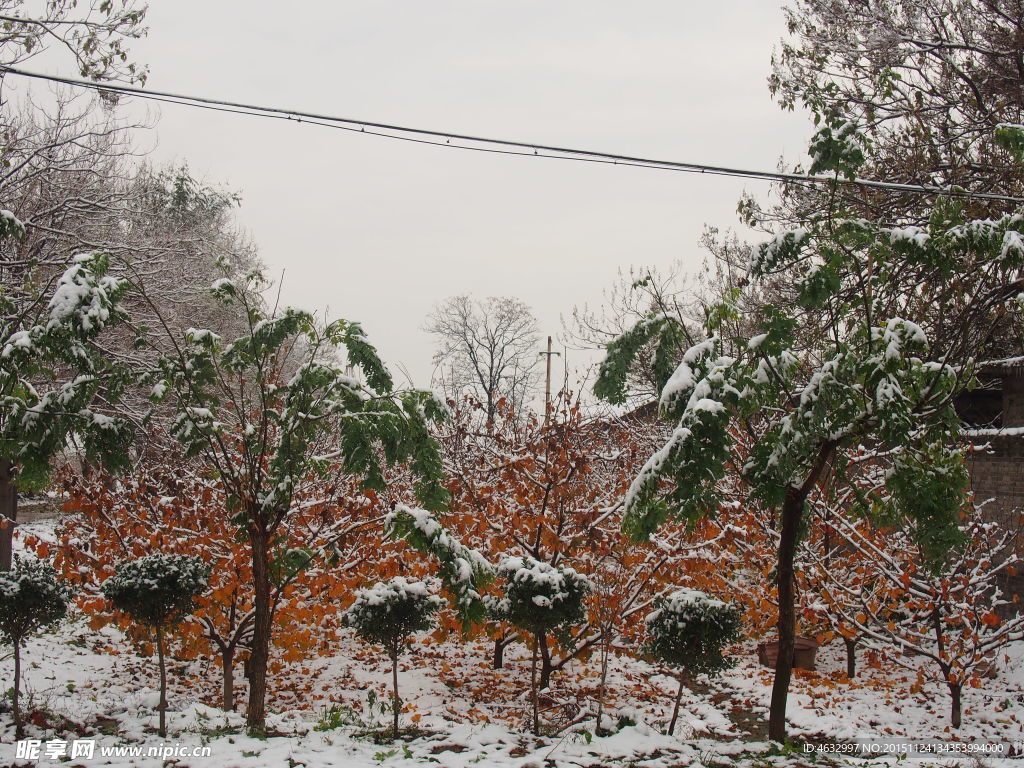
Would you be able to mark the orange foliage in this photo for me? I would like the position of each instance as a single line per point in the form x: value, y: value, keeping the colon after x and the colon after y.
x: 175, y: 507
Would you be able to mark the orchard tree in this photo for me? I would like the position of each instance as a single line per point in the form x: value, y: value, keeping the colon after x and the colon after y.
x: 31, y: 599
x: 836, y: 577
x: 690, y: 630
x: 553, y: 492
x: 388, y: 614
x: 487, y: 349
x: 870, y: 376
x: 170, y: 504
x: 538, y: 599
x: 953, y: 615
x: 274, y: 412
x: 158, y: 591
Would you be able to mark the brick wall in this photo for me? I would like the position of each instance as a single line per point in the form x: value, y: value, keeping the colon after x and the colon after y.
x: 998, y: 473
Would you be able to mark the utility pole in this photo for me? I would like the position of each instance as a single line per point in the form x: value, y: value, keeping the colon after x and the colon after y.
x: 547, y: 384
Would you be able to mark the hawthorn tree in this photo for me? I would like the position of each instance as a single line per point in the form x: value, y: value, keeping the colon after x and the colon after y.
x: 387, y: 614
x: 31, y: 599
x: 869, y: 376
x: 273, y: 412
x: 158, y: 591
x: 690, y: 630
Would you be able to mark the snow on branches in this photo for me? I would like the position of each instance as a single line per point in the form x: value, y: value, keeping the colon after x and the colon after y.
x: 955, y: 617
x: 157, y: 589
x: 464, y: 571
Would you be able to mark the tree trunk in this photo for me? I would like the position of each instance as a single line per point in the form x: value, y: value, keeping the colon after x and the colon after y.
x: 675, y: 709
x: 851, y: 657
x: 605, y: 653
x: 228, y: 662
x: 256, y: 713
x: 499, y: 653
x: 792, y: 510
x: 19, y: 726
x: 546, y: 667
x: 162, y: 706
x: 8, y: 512
x: 533, y: 688
x: 394, y: 688
x: 955, y: 690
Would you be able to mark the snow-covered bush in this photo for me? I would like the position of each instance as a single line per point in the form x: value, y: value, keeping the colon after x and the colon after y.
x: 540, y: 598
x: 158, y: 591
x: 386, y: 614
x: 690, y: 630
x: 31, y: 599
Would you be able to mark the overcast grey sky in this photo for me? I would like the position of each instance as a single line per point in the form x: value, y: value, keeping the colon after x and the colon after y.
x: 379, y: 230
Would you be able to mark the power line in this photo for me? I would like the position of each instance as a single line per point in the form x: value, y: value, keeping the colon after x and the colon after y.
x: 472, y: 143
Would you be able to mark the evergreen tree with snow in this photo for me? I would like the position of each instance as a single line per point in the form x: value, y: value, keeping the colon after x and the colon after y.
x: 388, y: 614
x: 690, y: 630
x: 540, y: 598
x: 158, y: 591
x: 31, y: 599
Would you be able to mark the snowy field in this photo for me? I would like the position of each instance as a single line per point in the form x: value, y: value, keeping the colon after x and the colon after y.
x: 85, y: 684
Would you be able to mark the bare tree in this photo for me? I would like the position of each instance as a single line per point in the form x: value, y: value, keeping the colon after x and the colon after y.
x: 636, y: 294
x: 486, y: 348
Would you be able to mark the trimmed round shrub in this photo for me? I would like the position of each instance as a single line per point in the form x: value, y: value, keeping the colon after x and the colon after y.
x: 158, y: 591
x: 690, y: 630
x: 31, y: 599
x: 387, y: 614
x: 540, y: 598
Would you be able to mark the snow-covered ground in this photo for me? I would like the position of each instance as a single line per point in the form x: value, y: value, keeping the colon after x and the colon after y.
x: 85, y: 684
